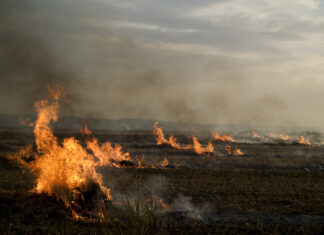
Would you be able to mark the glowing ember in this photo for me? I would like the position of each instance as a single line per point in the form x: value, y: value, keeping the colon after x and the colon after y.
x: 223, y: 138
x: 302, y: 140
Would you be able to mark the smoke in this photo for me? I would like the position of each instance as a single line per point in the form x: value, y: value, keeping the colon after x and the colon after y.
x: 110, y: 72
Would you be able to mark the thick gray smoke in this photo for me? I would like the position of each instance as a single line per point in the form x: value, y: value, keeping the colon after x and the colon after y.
x: 114, y: 70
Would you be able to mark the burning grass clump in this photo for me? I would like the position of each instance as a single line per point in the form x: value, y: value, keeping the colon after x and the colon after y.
x: 66, y: 168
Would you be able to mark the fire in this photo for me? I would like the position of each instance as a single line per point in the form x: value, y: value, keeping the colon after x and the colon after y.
x: 302, y: 140
x: 200, y: 150
x: 66, y: 168
x: 160, y: 139
x: 256, y: 135
x: 85, y: 130
x: 284, y: 137
x: 142, y: 163
x: 163, y: 204
x: 228, y: 149
x: 165, y: 162
x: 223, y: 138
x: 238, y: 152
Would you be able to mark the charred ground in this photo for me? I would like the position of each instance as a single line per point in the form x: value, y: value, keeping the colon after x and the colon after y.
x: 275, y: 187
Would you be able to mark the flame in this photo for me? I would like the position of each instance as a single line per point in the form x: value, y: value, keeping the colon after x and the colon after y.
x: 85, y: 130
x: 200, y: 150
x: 64, y: 168
x: 142, y: 163
x: 228, y: 149
x: 160, y: 138
x: 238, y: 152
x: 223, y: 138
x: 163, y: 204
x: 164, y: 162
x: 284, y: 137
x: 256, y: 135
x: 302, y: 140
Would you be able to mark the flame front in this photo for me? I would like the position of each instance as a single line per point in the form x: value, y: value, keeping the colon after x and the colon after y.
x: 223, y: 138
x: 160, y: 139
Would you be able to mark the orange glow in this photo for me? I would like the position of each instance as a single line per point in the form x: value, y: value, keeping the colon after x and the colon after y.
x: 223, y: 138
x: 163, y: 204
x: 302, y: 140
x: 284, y: 137
x: 200, y: 150
x: 165, y: 162
x: 228, y: 149
x: 238, y: 152
x: 85, y: 130
x: 64, y: 168
x: 160, y: 138
x: 256, y: 135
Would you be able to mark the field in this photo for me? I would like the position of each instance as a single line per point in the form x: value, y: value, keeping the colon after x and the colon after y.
x: 275, y: 187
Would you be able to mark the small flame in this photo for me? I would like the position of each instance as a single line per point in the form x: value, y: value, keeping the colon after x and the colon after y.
x: 284, y: 137
x: 302, y: 140
x: 228, y: 149
x: 160, y: 139
x: 165, y: 162
x: 223, y: 138
x: 200, y: 150
x: 238, y: 152
x: 256, y: 135
x: 85, y: 130
x: 163, y: 204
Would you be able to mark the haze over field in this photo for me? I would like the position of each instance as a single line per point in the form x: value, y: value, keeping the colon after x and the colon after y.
x: 244, y: 62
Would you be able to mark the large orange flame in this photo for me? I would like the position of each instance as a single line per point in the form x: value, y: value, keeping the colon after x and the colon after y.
x: 64, y: 168
x: 223, y: 138
x: 61, y: 166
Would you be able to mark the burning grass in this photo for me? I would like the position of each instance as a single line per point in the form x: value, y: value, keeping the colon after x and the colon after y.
x: 62, y: 184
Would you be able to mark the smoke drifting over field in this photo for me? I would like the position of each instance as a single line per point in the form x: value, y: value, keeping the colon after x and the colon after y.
x: 120, y: 59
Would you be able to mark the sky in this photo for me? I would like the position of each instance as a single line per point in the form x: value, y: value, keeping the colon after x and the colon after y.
x: 252, y: 62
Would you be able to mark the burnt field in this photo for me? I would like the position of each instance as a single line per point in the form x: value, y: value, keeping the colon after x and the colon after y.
x: 274, y: 187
